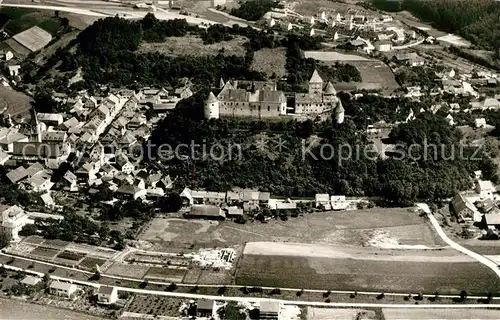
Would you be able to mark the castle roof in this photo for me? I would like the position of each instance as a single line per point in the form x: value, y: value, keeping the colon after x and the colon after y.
x: 315, y: 77
x: 329, y: 89
x: 221, y: 83
x: 211, y: 98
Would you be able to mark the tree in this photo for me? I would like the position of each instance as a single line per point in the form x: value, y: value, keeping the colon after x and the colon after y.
x: 172, y: 203
x: 463, y: 295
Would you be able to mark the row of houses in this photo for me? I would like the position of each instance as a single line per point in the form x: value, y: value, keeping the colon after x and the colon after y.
x: 231, y: 204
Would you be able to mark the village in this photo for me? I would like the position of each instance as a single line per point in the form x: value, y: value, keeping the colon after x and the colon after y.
x: 142, y: 241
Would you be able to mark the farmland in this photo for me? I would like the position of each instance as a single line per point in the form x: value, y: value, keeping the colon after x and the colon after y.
x: 363, y: 227
x: 344, y: 268
x: 193, y: 45
x: 454, y: 314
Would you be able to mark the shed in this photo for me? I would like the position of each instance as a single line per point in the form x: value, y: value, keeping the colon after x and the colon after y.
x: 206, y: 212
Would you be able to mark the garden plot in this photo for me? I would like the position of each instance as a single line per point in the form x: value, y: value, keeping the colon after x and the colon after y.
x: 128, y: 270
x: 166, y: 274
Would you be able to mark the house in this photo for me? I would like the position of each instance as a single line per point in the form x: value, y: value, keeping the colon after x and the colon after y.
x: 63, y: 289
x: 4, y: 157
x: 205, y: 212
x: 34, y: 169
x: 338, y: 203
x: 183, y: 93
x: 31, y: 281
x: 14, y: 70
x: 12, y: 220
x: 11, y: 137
x: 285, y: 206
x: 41, y: 182
x: 463, y: 208
x: 17, y: 174
x: 491, y: 221
x: 54, y: 136
x: 50, y: 119
x: 480, y: 122
x: 269, y: 310
x: 234, y: 212
x: 485, y: 189
x: 70, y: 123
x: 34, y: 151
x: 123, y: 164
x: 206, y: 308
x: 383, y: 46
x: 135, y: 190
x: 70, y: 181
x: 47, y: 200
x: 107, y: 295
x: 153, y: 96
x: 322, y: 200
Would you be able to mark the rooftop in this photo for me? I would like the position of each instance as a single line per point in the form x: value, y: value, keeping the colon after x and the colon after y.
x: 34, y: 39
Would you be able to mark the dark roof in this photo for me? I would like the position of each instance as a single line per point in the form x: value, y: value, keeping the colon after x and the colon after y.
x: 205, y: 305
x: 106, y: 290
x: 37, y: 149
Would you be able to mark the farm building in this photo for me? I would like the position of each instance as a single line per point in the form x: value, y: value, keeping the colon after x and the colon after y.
x: 205, y: 212
x: 28, y: 41
x: 463, y: 208
x: 492, y: 220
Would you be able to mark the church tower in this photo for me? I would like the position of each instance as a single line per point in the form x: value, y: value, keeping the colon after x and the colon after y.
x: 211, y: 107
x: 315, y: 84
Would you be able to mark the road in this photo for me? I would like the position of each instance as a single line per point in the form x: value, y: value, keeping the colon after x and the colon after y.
x: 286, y: 302
x: 485, y: 261
x: 126, y: 14
x: 104, y: 275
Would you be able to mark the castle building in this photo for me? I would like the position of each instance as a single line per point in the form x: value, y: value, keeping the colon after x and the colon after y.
x: 261, y: 100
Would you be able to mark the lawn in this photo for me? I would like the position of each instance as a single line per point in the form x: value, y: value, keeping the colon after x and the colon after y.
x: 90, y: 262
x: 270, y: 61
x: 128, y: 270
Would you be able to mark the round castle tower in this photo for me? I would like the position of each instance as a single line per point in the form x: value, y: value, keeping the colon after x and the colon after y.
x: 211, y: 107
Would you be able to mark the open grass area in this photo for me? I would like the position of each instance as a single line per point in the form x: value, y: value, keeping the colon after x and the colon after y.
x: 16, y: 103
x: 444, y: 271
x: 361, y: 227
x: 193, y: 45
x: 69, y: 255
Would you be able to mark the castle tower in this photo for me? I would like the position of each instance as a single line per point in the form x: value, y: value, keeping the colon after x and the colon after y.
x: 211, y: 108
x: 329, y: 94
x: 221, y: 83
x: 315, y: 84
x: 339, y: 113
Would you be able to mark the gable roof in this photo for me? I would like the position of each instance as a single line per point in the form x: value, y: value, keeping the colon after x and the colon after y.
x: 17, y: 174
x: 34, y: 39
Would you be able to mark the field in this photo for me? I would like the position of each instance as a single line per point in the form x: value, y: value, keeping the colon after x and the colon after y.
x: 159, y: 306
x: 165, y: 274
x: 270, y: 61
x: 379, y: 227
x: 375, y: 74
x: 15, y: 309
x: 192, y: 45
x: 127, y: 270
x: 333, y: 56
x: 16, y: 103
x: 450, y: 314
x: 42, y: 252
x: 371, y: 269
x: 338, y: 313
x: 20, y: 19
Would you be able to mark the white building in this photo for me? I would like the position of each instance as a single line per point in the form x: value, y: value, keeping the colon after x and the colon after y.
x: 107, y: 295
x: 480, y: 122
x: 339, y: 203
x: 63, y: 289
x: 485, y: 189
x: 322, y: 200
x: 13, y: 219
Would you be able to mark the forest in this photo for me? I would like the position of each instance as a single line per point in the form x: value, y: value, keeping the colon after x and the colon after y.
x: 475, y: 20
x: 254, y: 10
x: 342, y: 167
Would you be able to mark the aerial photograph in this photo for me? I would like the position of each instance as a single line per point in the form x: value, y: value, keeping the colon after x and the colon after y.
x: 250, y: 159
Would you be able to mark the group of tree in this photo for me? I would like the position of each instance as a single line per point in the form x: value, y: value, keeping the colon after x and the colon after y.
x: 254, y: 10
x: 473, y: 19
x: 337, y: 164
